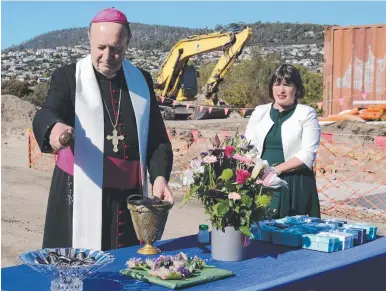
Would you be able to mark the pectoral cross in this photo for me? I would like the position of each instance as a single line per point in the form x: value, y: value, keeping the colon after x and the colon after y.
x: 114, y: 139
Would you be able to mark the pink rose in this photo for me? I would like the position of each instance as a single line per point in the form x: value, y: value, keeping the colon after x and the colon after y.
x: 228, y: 151
x: 234, y: 196
x: 243, y: 159
x: 210, y: 159
x: 242, y: 176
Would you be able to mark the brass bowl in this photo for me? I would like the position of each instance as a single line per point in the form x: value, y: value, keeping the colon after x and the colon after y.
x: 149, y: 218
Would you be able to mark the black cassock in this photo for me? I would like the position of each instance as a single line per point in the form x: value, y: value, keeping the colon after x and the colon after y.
x: 117, y: 228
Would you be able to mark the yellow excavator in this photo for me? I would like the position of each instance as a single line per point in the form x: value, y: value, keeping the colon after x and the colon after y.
x: 176, y: 84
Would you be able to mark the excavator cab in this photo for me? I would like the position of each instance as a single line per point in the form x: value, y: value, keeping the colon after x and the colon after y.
x: 189, y: 84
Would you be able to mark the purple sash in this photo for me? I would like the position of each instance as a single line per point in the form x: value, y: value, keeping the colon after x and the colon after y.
x: 117, y: 173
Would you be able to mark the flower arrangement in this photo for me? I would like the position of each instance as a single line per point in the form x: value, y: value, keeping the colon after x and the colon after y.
x: 234, y: 184
x: 169, y: 267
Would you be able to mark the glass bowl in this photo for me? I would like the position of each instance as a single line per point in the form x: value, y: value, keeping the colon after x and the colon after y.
x: 67, y: 267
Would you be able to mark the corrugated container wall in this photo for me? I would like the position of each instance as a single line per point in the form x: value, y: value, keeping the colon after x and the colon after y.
x: 354, y: 66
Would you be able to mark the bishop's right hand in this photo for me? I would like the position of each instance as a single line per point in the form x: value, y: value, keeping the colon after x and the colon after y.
x: 56, y: 131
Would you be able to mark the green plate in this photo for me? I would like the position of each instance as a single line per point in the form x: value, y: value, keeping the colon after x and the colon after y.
x: 206, y: 276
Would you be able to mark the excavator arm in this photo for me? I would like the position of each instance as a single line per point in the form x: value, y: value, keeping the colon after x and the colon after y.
x: 231, y: 51
x: 169, y: 80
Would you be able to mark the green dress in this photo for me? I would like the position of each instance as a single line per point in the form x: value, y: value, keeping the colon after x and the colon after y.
x: 301, y: 197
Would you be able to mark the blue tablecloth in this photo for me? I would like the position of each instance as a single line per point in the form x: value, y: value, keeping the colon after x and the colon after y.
x: 268, y: 267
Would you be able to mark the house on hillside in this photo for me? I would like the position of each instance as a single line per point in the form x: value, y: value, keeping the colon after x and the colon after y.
x: 43, y: 80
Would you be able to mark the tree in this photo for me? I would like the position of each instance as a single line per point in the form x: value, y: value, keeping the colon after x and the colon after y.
x: 39, y: 95
x: 246, y: 83
x: 15, y: 87
x: 219, y: 27
x: 313, y: 85
x: 204, y: 74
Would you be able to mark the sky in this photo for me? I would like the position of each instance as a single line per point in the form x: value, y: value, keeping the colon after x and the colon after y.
x: 23, y: 20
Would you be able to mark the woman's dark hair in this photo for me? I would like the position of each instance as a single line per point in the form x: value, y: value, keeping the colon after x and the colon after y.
x: 291, y: 76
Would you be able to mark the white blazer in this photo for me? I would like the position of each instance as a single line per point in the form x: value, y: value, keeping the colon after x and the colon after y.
x: 300, y: 133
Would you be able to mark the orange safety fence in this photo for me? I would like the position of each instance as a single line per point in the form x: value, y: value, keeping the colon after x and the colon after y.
x: 350, y: 169
x: 36, y: 159
x: 351, y: 175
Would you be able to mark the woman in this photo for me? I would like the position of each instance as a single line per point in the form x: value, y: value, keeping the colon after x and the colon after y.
x: 287, y: 135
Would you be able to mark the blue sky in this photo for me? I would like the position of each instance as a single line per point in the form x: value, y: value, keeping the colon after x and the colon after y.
x: 21, y: 21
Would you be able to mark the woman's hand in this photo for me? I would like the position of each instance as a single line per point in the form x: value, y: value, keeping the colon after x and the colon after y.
x: 289, y: 166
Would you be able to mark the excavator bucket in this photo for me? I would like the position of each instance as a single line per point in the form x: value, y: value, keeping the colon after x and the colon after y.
x: 208, y: 112
x: 215, y: 113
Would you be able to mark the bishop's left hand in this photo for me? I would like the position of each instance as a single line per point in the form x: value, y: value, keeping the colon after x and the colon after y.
x: 161, y: 190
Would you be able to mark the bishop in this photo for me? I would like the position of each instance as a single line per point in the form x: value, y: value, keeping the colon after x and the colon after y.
x: 102, y: 93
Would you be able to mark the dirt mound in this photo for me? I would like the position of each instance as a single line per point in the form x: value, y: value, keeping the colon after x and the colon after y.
x: 15, y: 109
x: 355, y: 128
x: 16, y: 116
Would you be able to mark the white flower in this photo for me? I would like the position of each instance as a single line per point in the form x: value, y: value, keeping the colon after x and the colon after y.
x: 244, y: 144
x: 196, y: 166
x: 259, y: 165
x: 195, y: 163
x: 253, y: 152
x: 267, y: 168
x: 188, y: 178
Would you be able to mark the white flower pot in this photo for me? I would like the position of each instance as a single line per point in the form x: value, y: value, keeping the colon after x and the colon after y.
x: 228, y: 246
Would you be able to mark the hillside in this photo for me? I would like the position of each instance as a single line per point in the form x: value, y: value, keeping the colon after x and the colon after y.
x: 162, y: 37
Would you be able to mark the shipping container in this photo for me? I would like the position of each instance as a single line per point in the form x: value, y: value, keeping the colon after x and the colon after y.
x: 354, y: 66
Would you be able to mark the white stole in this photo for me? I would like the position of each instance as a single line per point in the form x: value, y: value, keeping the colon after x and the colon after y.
x: 89, y: 147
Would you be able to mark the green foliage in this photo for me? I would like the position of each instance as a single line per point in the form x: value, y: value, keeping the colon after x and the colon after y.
x: 15, y: 87
x: 227, y: 174
x: 154, y: 75
x: 236, y: 89
x: 313, y: 85
x: 205, y: 72
x: 39, y: 95
x: 263, y: 200
x: 246, y: 83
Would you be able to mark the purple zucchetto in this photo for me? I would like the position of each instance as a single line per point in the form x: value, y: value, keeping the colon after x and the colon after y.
x: 110, y: 15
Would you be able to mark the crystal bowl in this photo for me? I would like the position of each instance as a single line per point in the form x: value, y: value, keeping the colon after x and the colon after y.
x: 70, y: 267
